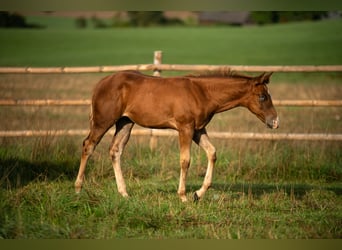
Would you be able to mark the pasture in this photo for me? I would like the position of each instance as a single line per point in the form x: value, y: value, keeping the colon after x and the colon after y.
x: 288, y: 44
x: 261, y: 189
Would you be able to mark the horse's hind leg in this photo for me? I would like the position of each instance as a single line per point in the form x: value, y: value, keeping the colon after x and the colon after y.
x: 120, y: 139
x: 185, y: 138
x: 89, y: 144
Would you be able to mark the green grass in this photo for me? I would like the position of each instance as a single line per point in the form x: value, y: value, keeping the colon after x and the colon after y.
x: 287, y: 44
x: 61, y: 214
x: 275, y: 198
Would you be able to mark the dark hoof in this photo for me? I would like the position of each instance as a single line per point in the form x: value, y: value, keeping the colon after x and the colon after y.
x: 196, y: 198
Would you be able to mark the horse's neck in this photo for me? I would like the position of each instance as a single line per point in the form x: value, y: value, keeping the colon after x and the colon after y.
x: 227, y: 93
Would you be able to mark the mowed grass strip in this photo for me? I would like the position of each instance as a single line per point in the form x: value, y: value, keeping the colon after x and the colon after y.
x: 286, y: 44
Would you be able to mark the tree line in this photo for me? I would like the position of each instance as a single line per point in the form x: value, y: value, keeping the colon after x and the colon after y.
x: 157, y: 18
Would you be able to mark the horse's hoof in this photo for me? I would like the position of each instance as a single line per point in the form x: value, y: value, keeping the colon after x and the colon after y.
x: 124, y: 195
x: 196, y: 198
x: 78, y: 190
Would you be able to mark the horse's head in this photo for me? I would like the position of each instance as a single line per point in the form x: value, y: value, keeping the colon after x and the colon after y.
x: 260, y: 101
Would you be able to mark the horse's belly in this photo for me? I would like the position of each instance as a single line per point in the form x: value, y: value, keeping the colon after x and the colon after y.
x: 151, y: 119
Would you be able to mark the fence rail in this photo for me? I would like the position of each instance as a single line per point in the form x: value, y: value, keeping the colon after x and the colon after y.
x: 169, y: 133
x: 45, y: 102
x: 87, y: 102
x: 157, y: 67
x: 171, y: 67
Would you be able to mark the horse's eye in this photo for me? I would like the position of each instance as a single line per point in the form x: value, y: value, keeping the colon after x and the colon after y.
x: 262, y: 98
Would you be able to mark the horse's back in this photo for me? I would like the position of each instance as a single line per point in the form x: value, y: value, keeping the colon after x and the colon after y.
x: 147, y: 100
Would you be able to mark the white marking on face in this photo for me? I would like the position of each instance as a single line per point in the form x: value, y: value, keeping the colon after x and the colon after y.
x: 276, y: 123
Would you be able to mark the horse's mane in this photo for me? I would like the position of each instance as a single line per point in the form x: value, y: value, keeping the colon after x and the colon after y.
x: 218, y: 73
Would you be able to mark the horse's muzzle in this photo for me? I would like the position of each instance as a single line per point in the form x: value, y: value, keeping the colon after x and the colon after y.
x: 273, y: 123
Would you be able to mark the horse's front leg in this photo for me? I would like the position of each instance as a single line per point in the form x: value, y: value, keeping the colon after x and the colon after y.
x: 185, y: 138
x: 202, y: 139
x: 120, y: 139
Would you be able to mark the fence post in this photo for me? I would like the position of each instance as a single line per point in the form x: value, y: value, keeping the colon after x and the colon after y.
x: 157, y: 59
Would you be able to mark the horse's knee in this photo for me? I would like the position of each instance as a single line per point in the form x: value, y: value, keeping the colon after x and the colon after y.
x: 114, y: 152
x: 212, y: 154
x: 185, y: 163
x: 88, y: 147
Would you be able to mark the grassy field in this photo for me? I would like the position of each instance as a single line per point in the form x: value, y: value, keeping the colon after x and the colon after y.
x: 296, y: 43
x: 261, y: 189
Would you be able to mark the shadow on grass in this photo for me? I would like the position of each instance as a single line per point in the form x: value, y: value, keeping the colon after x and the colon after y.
x: 298, y: 190
x: 259, y: 189
x: 16, y: 173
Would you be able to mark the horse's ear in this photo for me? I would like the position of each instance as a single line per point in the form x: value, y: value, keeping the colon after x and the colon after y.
x: 264, y: 78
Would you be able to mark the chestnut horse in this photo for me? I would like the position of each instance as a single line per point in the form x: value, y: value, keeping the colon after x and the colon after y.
x: 186, y: 104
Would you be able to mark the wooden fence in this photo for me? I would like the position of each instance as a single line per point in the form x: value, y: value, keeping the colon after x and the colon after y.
x: 157, y: 67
